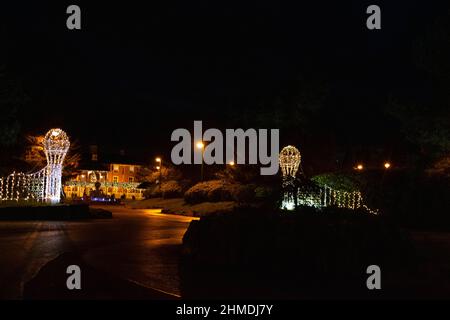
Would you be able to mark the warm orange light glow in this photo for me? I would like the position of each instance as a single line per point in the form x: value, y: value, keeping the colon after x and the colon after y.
x: 231, y: 163
x: 387, y: 165
x: 158, y: 159
x: 359, y: 167
x: 200, y: 145
x: 158, y: 167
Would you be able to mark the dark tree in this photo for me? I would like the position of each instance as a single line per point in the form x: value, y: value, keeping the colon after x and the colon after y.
x: 12, y: 98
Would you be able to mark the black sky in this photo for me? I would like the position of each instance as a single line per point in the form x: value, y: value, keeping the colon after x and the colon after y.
x: 136, y: 72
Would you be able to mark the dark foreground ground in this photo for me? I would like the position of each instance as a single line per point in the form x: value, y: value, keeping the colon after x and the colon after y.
x: 139, y: 246
x: 136, y: 254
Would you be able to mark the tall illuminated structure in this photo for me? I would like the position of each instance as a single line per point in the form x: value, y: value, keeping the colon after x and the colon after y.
x: 289, y: 161
x: 56, y: 145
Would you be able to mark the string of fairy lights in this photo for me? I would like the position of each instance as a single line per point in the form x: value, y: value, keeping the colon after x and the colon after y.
x: 329, y: 197
x: 319, y: 196
x: 18, y: 186
x: 44, y: 185
x: 126, y: 185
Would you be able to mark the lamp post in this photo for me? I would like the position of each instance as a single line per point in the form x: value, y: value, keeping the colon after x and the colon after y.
x: 201, y: 145
x: 159, y: 167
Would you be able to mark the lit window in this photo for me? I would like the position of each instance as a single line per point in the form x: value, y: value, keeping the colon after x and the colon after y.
x: 130, y: 179
x: 116, y: 167
x: 115, y: 179
x: 131, y: 169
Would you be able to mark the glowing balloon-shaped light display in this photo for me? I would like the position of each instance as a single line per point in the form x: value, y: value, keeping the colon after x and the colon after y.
x: 289, y: 159
x: 56, y: 145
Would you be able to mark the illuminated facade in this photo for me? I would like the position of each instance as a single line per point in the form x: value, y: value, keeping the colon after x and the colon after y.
x: 113, y: 179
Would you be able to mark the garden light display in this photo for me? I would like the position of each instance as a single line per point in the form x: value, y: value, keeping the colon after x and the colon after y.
x: 44, y: 185
x: 297, y: 193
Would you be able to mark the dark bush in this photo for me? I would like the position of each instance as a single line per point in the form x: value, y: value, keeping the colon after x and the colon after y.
x: 308, y: 247
x: 244, y: 193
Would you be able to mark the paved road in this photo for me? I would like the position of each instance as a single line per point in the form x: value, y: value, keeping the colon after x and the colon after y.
x: 138, y: 245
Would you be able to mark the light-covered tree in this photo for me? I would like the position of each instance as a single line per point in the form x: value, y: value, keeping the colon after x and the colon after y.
x: 35, y: 156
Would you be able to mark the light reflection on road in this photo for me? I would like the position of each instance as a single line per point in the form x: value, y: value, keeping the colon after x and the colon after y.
x: 139, y: 245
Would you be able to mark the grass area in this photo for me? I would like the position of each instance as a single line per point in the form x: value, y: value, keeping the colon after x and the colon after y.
x: 178, y: 206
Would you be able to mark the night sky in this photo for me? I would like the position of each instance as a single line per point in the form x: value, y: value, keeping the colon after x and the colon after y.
x: 136, y: 72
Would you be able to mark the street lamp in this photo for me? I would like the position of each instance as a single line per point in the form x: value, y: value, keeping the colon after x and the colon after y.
x: 231, y: 163
x: 387, y: 165
x: 159, y: 167
x: 201, y: 145
x: 359, y: 167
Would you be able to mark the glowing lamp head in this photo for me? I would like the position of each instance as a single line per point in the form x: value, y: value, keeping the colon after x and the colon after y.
x: 359, y: 167
x: 387, y: 165
x: 56, y: 140
x: 158, y: 167
x: 231, y: 163
x: 200, y: 145
x: 158, y: 159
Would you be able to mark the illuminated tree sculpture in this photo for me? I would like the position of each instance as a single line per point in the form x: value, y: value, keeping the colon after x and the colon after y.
x: 56, y: 145
x: 289, y: 161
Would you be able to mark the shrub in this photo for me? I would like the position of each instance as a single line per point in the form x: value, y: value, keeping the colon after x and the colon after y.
x: 262, y: 192
x: 340, y: 181
x: 244, y: 193
x: 212, y: 191
x: 169, y: 189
